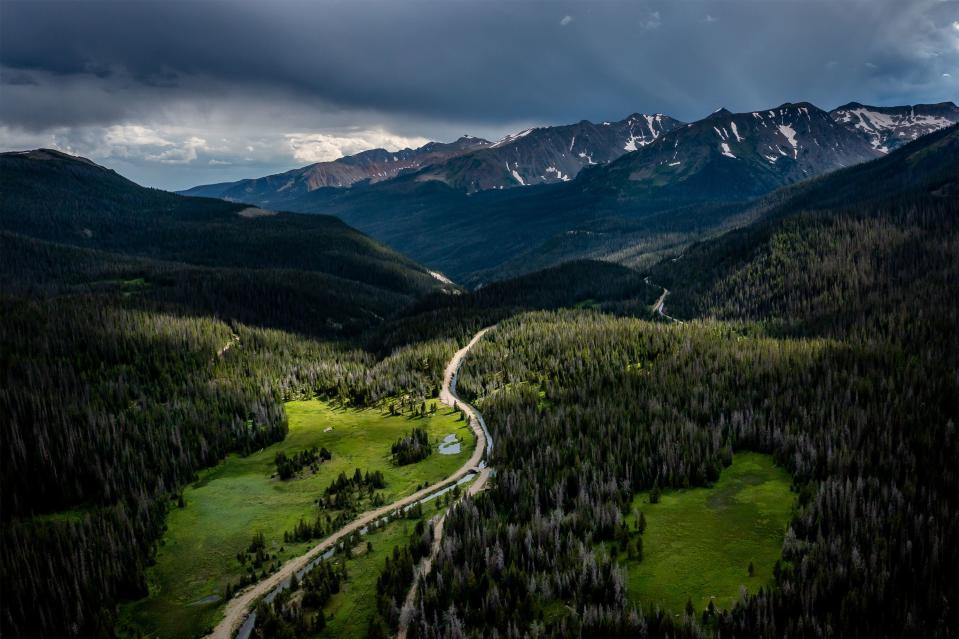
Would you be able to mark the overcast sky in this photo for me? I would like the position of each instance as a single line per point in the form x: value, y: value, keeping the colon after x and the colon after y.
x: 178, y: 93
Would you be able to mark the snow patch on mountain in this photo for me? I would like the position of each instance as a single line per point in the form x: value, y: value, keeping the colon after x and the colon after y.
x: 653, y: 124
x: 872, y: 123
x: 516, y: 175
x: 512, y: 137
x: 440, y: 277
x: 790, y: 134
x: 732, y: 125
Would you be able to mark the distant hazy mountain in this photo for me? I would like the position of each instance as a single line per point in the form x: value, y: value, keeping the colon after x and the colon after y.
x: 888, y: 128
x: 534, y: 156
x: 373, y: 165
x: 548, y: 154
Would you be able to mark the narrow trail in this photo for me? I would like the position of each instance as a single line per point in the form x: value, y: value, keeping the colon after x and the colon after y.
x: 448, y: 396
x: 238, y: 609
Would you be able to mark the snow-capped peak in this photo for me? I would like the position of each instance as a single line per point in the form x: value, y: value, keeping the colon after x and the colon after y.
x: 512, y: 137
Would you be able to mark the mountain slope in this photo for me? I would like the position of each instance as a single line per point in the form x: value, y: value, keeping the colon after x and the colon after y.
x: 662, y: 195
x: 374, y: 165
x: 699, y: 178
x: 548, y: 154
x: 734, y: 156
x: 870, y: 249
x: 888, y: 128
x: 71, y: 202
x: 534, y: 156
x: 675, y: 187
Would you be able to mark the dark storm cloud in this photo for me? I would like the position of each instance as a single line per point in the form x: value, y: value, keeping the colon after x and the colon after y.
x: 486, y: 61
x: 243, y: 71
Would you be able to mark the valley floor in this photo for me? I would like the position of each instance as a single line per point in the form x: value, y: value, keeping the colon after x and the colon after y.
x: 238, y: 498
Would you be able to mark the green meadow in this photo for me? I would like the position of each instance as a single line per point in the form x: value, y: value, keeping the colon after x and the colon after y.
x: 699, y: 542
x: 238, y: 498
x: 348, y: 612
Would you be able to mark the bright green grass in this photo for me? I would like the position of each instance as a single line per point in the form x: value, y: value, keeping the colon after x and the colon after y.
x: 237, y: 498
x: 348, y: 612
x: 699, y: 542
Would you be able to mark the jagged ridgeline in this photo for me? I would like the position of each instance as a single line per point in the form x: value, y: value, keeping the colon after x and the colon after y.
x: 625, y: 191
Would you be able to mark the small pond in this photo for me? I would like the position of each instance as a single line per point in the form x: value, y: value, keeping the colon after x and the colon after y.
x: 450, y: 445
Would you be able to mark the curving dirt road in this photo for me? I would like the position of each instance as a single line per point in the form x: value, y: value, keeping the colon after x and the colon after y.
x: 449, y: 397
x: 658, y: 306
x: 240, y: 606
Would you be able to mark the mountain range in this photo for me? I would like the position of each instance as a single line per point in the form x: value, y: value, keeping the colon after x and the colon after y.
x: 629, y: 191
x: 539, y: 155
x: 550, y: 154
x: 546, y: 155
x: 374, y: 165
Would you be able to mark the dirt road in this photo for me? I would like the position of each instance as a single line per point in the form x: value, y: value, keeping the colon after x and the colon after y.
x: 449, y: 397
x: 658, y: 306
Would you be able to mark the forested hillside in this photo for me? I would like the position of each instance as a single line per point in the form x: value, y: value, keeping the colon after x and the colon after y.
x: 841, y: 364
x: 51, y: 196
x: 584, y: 283
x: 139, y: 343
x: 867, y: 251
x: 308, y: 302
x: 586, y: 410
x: 110, y: 406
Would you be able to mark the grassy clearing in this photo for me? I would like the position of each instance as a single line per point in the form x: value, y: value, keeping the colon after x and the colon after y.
x: 699, y: 542
x: 238, y: 498
x: 348, y: 612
